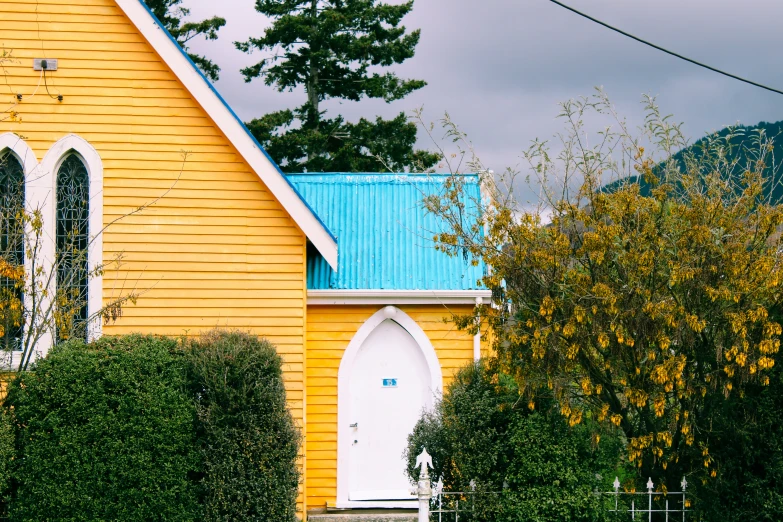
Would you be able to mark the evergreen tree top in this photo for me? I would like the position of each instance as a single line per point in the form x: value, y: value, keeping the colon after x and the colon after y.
x: 170, y: 13
x: 330, y: 45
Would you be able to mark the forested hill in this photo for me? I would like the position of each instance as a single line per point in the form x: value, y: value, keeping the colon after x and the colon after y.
x: 744, y: 139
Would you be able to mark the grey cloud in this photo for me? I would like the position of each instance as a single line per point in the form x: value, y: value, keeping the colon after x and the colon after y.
x: 500, y: 67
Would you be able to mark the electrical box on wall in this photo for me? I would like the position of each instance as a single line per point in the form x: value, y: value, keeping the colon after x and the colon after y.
x: 45, y: 64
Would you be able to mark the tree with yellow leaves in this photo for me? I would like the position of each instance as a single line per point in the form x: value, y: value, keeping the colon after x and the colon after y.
x: 630, y: 307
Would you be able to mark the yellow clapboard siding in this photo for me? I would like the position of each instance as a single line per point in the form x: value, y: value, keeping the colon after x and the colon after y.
x: 187, y: 248
x: 321, y: 485
x: 230, y: 282
x: 269, y: 325
x: 330, y: 473
x: 147, y: 174
x: 121, y: 213
x: 176, y: 267
x: 207, y: 257
x: 14, y: 31
x: 71, y: 8
x: 215, y: 241
x: 315, y: 409
x: 192, y: 275
x: 321, y: 382
x: 315, y: 436
x: 118, y: 106
x: 329, y: 330
x: 320, y: 399
x: 216, y: 249
x: 322, y: 428
x: 148, y: 195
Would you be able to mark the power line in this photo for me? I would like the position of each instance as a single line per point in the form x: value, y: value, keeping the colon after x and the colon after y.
x: 672, y: 53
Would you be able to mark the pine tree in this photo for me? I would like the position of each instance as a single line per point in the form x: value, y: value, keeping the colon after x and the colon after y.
x: 333, y: 49
x: 170, y: 13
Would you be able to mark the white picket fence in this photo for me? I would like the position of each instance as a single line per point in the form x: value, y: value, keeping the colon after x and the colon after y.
x: 652, y: 506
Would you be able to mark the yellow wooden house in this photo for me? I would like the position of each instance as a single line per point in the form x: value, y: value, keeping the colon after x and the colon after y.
x: 337, y: 270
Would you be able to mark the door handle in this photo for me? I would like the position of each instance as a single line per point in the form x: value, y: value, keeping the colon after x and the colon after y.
x: 354, y: 425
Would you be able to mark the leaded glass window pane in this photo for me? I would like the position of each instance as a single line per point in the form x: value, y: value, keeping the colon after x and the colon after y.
x: 73, y: 210
x: 11, y: 251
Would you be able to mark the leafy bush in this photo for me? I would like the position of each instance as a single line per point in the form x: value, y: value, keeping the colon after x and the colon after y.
x: 248, y: 440
x: 105, y: 432
x: 479, y: 432
x: 746, y: 451
x: 552, y: 472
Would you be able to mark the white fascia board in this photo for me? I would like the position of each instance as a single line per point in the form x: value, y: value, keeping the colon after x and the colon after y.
x: 225, y: 119
x: 384, y: 297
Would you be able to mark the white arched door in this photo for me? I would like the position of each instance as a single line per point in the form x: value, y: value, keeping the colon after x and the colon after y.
x: 387, y: 379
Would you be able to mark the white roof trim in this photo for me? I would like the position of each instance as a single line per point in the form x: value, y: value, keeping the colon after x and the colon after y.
x: 232, y: 128
x: 386, y: 297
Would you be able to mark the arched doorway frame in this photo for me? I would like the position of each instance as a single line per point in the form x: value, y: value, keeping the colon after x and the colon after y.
x: 344, y: 386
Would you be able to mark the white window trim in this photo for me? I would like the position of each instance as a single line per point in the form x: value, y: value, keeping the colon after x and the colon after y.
x: 92, y: 161
x: 19, y: 148
x: 344, y: 399
x: 378, y: 297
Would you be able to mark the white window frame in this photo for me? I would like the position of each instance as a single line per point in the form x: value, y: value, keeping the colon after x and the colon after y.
x: 74, y: 144
x: 40, y: 193
x: 15, y: 145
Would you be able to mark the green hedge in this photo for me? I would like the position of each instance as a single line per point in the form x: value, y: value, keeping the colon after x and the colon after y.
x: 147, y: 428
x: 248, y: 440
x: 481, y: 431
x: 105, y: 432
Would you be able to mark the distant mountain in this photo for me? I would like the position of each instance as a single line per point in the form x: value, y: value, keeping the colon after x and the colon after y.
x: 739, y: 145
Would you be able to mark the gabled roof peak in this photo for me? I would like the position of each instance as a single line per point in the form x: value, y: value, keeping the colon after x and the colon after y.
x: 204, y: 93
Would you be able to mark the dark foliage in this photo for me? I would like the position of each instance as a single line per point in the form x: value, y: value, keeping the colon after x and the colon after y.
x: 247, y: 438
x: 479, y: 432
x: 746, y: 448
x: 104, y: 432
x: 170, y: 13
x: 366, y: 146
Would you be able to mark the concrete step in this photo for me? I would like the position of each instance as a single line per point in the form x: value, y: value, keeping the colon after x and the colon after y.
x: 361, y: 515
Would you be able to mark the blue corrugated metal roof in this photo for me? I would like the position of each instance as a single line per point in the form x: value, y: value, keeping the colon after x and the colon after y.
x: 384, y: 235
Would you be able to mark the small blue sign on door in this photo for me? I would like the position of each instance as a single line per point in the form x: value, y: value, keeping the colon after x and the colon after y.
x: 390, y: 383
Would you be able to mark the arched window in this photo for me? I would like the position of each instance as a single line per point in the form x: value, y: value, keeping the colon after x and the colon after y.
x: 72, y: 246
x: 12, y: 199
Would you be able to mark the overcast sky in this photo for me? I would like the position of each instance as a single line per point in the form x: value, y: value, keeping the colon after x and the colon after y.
x: 500, y: 67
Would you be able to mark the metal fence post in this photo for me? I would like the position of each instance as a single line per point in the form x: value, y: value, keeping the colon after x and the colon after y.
x: 616, y: 485
x: 650, y: 487
x: 424, y: 491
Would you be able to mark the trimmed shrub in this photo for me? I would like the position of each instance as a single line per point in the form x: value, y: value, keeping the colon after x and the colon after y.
x: 248, y: 440
x: 105, y: 432
x: 544, y: 469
